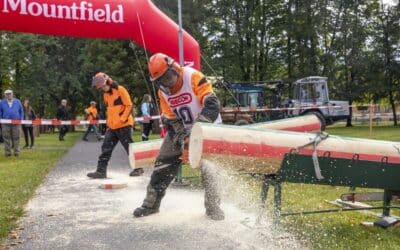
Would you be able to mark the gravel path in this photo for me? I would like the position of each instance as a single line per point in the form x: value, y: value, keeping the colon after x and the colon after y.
x: 70, y: 211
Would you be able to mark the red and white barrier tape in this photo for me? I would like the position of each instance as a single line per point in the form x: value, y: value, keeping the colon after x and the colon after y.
x: 234, y: 110
x: 71, y: 122
x: 148, y: 118
x: 266, y: 109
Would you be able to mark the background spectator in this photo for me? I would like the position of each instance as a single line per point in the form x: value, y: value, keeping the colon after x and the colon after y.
x: 29, y: 114
x: 146, y: 108
x: 91, y: 113
x: 62, y: 115
x: 11, y: 108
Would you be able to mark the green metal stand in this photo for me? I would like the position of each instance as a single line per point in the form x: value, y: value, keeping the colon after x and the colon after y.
x: 178, y: 178
x: 353, y: 172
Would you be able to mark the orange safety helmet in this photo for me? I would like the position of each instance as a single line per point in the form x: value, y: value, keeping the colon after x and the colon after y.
x: 100, y: 79
x: 159, y: 63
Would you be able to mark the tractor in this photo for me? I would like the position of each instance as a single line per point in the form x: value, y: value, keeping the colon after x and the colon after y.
x: 250, y: 102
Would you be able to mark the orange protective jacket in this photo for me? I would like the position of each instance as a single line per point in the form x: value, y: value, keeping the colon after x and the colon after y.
x: 119, y: 107
x: 92, y: 113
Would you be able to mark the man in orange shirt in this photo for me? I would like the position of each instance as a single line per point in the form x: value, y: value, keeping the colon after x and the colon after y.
x: 91, y: 113
x: 186, y: 96
x: 119, y: 122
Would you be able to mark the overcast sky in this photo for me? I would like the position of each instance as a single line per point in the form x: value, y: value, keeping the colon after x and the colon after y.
x: 392, y: 2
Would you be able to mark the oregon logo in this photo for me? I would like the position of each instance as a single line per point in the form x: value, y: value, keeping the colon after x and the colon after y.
x: 179, y: 100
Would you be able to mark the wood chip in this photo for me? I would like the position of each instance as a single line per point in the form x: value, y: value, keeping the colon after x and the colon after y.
x: 367, y: 224
x: 13, y: 235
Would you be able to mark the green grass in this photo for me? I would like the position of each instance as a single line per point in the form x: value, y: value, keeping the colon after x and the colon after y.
x: 332, y: 230
x: 382, y: 132
x: 338, y: 230
x: 51, y: 140
x: 19, y: 177
x: 137, y: 135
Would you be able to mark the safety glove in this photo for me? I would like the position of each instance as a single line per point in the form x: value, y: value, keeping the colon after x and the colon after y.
x: 202, y: 118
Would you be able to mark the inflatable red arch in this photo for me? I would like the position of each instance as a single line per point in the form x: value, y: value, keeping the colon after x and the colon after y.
x: 138, y: 20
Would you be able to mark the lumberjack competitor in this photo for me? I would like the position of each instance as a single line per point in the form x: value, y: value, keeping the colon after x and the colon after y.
x: 186, y: 96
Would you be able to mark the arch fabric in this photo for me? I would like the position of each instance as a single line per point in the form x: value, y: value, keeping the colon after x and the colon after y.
x: 109, y: 19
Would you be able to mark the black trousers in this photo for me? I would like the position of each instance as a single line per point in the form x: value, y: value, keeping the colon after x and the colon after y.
x: 146, y: 131
x: 102, y: 129
x: 166, y: 167
x: 112, y: 136
x: 28, y: 133
x: 63, y: 131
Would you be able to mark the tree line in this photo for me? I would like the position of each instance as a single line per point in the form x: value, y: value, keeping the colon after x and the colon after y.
x: 355, y: 43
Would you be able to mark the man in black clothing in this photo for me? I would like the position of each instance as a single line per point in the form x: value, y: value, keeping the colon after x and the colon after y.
x: 102, y: 116
x: 62, y: 115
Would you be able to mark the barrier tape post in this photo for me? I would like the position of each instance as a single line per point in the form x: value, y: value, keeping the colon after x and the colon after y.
x: 371, y: 110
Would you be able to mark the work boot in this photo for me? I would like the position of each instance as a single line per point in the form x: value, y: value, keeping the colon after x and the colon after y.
x: 97, y: 175
x: 144, y: 211
x: 215, y: 213
x: 137, y: 172
x: 151, y: 203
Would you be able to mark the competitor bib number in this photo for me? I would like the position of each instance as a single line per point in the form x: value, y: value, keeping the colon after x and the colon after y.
x: 185, y: 114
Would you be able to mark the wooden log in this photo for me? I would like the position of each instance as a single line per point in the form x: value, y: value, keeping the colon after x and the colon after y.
x: 253, y: 150
x: 113, y: 185
x: 307, y: 123
x: 143, y: 154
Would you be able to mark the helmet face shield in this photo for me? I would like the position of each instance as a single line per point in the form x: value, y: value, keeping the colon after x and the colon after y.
x: 168, y: 79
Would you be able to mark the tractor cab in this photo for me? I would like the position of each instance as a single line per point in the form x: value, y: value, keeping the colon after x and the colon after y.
x: 313, y: 90
x: 248, y: 96
x: 311, y: 95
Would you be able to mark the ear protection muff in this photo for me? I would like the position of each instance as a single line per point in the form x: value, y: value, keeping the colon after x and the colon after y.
x: 106, y: 77
x: 170, y: 63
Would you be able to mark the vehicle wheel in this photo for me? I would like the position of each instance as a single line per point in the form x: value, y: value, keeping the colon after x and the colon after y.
x: 320, y: 117
x: 241, y: 123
